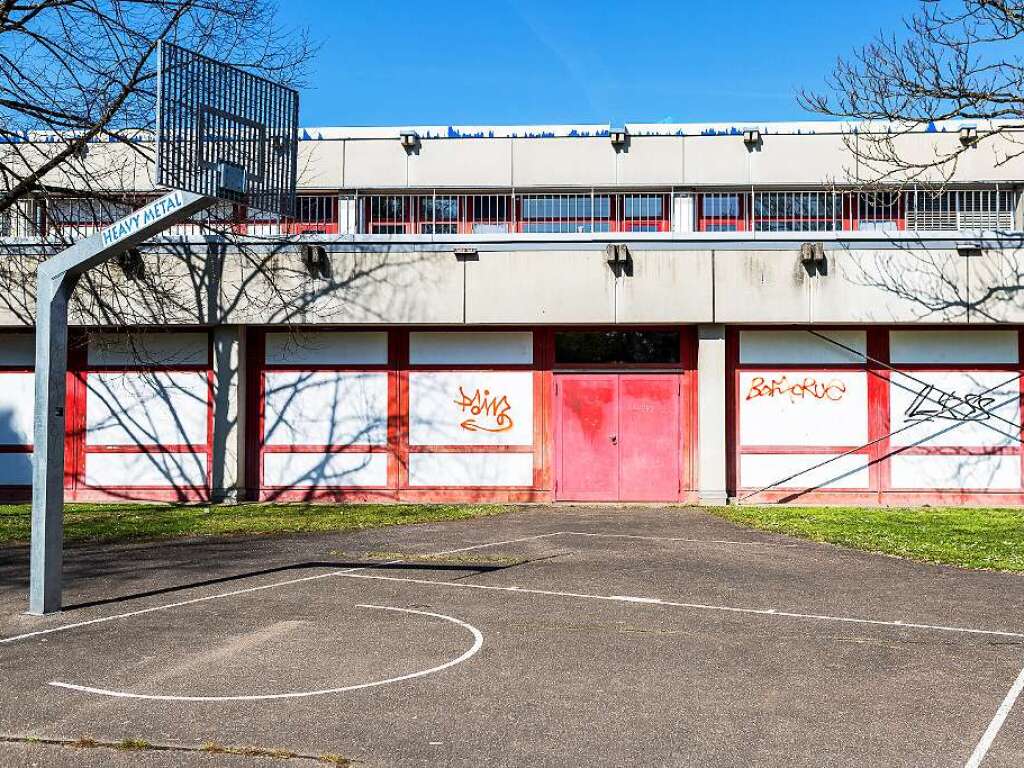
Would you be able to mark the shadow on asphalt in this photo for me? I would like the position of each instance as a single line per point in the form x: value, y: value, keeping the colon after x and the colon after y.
x: 312, y: 565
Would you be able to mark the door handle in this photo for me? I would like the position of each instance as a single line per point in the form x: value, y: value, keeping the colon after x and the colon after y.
x: 614, y: 439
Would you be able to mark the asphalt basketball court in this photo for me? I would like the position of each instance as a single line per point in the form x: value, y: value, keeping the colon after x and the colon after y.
x: 565, y: 636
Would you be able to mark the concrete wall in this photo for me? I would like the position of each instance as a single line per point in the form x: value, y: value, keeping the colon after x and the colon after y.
x: 545, y: 282
x: 797, y: 159
x: 782, y: 158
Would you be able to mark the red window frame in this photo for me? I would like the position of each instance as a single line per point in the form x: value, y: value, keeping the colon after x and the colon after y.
x: 878, y: 369
x: 79, y: 449
x: 714, y: 223
x: 16, y: 493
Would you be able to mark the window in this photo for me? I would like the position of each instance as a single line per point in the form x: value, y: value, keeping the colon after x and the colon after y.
x: 623, y: 347
x: 388, y: 214
x: 439, y: 215
x: 876, y: 211
x: 644, y: 213
x: 566, y: 213
x: 929, y: 209
x: 794, y: 211
x: 721, y: 212
x: 490, y: 214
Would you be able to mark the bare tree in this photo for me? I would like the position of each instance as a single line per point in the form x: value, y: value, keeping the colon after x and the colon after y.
x: 954, y: 59
x: 77, y: 118
x: 74, y: 73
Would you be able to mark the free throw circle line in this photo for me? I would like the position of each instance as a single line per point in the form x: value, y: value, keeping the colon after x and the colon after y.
x: 478, y: 641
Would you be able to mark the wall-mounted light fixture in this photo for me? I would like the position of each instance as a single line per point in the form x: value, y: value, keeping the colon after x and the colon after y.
x: 316, y: 261
x: 812, y: 254
x: 752, y: 138
x: 969, y: 135
x: 619, y: 259
x: 467, y: 253
x: 410, y: 140
x: 619, y: 138
x: 131, y: 264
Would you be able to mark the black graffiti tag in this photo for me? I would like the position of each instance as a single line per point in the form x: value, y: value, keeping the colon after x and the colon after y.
x: 931, y: 403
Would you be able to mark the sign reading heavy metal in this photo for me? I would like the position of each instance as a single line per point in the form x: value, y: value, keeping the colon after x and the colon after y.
x: 150, y: 214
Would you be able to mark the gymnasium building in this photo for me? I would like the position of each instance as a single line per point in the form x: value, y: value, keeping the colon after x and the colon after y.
x: 662, y: 313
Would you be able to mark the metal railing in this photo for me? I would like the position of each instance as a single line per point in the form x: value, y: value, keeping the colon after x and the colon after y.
x: 534, y: 212
x: 75, y: 218
x: 511, y: 212
x: 912, y: 208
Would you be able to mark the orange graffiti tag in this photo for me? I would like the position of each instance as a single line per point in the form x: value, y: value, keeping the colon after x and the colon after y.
x: 796, y: 390
x: 483, y: 404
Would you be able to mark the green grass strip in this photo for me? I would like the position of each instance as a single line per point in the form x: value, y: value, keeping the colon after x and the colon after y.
x: 984, y: 538
x: 138, y: 522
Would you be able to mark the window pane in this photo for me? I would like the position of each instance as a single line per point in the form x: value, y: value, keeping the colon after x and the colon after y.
x: 439, y: 208
x: 566, y: 207
x: 721, y: 206
x: 642, y: 207
x: 588, y: 347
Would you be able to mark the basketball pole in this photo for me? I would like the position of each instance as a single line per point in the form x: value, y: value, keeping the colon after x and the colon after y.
x: 55, y: 282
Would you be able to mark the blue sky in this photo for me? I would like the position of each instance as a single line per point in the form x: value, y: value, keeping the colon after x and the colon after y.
x: 563, y: 61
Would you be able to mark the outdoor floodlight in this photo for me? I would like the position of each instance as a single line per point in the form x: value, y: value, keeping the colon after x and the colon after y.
x: 410, y: 140
x: 619, y: 137
x: 619, y: 259
x: 316, y: 261
x: 467, y: 254
x: 131, y: 264
x: 752, y: 137
x: 812, y: 253
x: 969, y: 135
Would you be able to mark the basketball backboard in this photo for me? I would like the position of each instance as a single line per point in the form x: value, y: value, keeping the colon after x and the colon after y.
x: 225, y: 133
x: 222, y: 133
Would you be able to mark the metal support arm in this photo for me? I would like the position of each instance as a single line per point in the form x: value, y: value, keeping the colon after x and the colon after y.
x: 55, y: 281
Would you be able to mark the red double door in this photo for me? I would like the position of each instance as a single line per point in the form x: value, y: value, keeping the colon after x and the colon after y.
x: 618, y: 437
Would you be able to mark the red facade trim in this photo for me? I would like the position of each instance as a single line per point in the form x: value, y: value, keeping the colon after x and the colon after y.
x: 879, y: 447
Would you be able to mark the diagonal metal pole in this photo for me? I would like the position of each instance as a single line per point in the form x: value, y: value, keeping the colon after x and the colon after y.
x: 55, y: 282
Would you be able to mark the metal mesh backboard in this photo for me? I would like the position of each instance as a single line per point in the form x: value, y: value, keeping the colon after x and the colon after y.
x: 225, y: 133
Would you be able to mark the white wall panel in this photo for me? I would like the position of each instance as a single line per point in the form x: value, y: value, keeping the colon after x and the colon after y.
x: 802, y: 348
x: 17, y: 395
x: 474, y: 348
x: 159, y: 408
x: 17, y: 349
x: 759, y: 470
x: 302, y: 470
x: 471, y: 408
x: 181, y: 470
x: 980, y: 473
x: 326, y: 408
x: 325, y: 348
x: 963, y: 347
x: 955, y: 408
x: 803, y: 407
x: 146, y: 349
x: 15, y: 468
x: 471, y: 469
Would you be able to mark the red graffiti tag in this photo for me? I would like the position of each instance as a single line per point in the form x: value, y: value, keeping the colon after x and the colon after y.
x: 483, y: 404
x: 809, y: 387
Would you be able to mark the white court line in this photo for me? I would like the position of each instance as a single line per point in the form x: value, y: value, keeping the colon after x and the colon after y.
x: 695, y: 606
x: 351, y: 572
x: 685, y: 541
x: 167, y: 606
x: 496, y: 543
x: 997, y: 722
x: 478, y: 641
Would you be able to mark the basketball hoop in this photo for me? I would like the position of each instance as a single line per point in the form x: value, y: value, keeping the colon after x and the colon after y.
x: 221, y: 134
